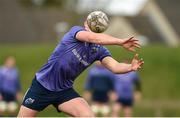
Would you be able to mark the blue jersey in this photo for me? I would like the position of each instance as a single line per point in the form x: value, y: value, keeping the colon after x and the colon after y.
x: 69, y: 59
x: 124, y: 84
x: 99, y: 79
x: 9, y: 80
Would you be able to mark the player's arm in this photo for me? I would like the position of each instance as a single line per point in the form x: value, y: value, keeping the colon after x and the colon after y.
x: 104, y: 39
x: 119, y: 68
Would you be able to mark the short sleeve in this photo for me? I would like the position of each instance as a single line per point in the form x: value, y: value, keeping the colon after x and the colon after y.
x: 74, y: 30
x: 103, y: 52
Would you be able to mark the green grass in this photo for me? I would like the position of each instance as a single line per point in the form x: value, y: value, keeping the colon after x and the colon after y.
x: 160, y: 73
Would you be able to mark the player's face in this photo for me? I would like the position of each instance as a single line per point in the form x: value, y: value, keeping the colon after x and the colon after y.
x: 10, y: 62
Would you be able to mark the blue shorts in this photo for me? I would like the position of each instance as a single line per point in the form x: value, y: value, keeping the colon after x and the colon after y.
x: 126, y: 102
x: 100, y: 96
x: 38, y: 97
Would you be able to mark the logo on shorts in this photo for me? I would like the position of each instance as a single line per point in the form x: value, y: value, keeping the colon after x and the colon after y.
x: 29, y: 101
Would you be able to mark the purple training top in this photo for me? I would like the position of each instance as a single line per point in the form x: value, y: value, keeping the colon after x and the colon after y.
x: 69, y: 59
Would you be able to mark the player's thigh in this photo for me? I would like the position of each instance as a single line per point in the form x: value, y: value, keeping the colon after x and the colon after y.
x: 26, y: 112
x: 76, y: 107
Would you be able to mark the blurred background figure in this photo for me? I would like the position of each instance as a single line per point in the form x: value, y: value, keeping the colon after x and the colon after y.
x: 127, y: 89
x: 98, y: 86
x: 9, y: 87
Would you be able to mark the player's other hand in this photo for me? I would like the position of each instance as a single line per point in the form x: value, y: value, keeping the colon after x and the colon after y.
x: 136, y: 63
x: 130, y: 44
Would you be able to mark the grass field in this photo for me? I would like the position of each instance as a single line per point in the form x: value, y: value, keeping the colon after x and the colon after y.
x: 160, y: 75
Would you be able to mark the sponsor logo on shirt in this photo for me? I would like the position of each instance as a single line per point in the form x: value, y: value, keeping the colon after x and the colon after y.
x: 79, y: 57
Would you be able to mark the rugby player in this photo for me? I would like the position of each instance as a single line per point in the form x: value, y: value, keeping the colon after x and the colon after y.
x: 78, y: 49
x: 99, y: 84
x: 10, y: 88
x: 127, y: 88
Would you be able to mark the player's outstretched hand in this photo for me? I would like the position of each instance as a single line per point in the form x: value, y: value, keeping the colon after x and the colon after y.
x: 136, y: 63
x: 130, y: 44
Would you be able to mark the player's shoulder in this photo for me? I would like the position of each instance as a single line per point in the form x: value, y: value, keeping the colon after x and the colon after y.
x: 71, y: 34
x: 74, y: 30
x: 77, y: 28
